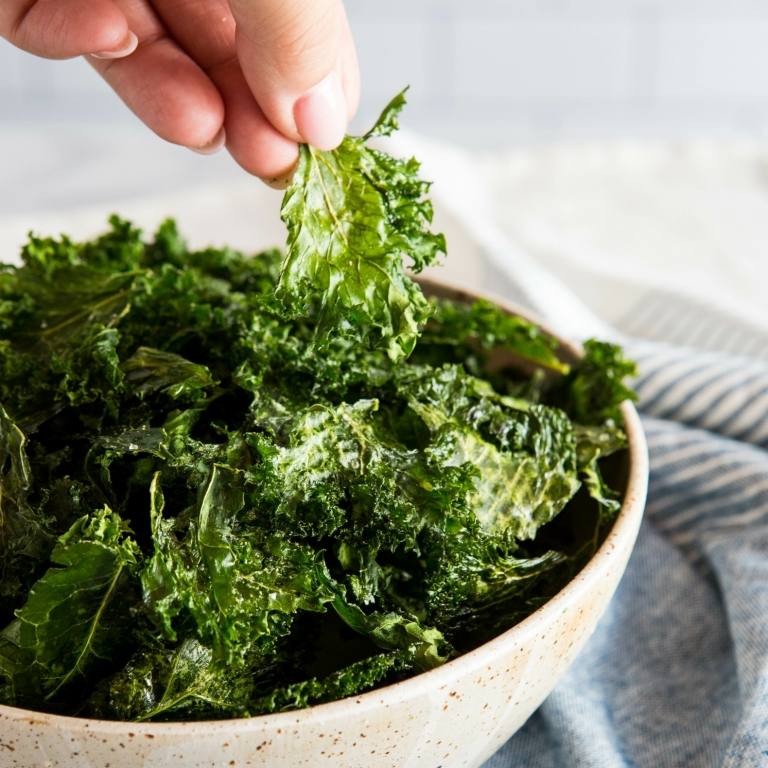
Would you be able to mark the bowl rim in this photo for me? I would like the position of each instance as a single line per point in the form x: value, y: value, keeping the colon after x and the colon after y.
x: 623, y: 532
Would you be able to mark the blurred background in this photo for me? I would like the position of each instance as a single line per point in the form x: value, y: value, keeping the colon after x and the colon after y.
x: 625, y: 138
x: 491, y: 72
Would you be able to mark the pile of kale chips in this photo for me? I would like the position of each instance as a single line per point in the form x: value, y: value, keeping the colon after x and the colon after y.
x: 240, y: 484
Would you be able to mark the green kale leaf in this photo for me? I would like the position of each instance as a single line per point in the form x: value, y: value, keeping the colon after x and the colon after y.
x: 25, y: 535
x: 524, y: 455
x: 72, y: 620
x: 184, y: 682
x: 593, y: 392
x: 239, y: 588
x: 349, y: 681
x: 482, y: 327
x: 593, y: 444
x: 354, y: 216
x: 152, y: 370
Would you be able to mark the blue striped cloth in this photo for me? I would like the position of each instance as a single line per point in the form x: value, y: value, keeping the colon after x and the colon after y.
x: 676, y: 674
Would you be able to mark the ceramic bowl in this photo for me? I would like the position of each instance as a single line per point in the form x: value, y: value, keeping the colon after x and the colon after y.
x: 455, y: 715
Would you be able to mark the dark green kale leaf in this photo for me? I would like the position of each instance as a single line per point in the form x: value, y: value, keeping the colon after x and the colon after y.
x: 25, y: 534
x: 73, y: 620
x: 185, y: 682
x: 481, y: 327
x: 592, y: 444
x: 422, y: 646
x: 153, y: 370
x: 594, y: 390
x: 353, y: 679
x: 354, y: 215
x: 59, y: 345
x: 591, y: 394
x: 476, y: 580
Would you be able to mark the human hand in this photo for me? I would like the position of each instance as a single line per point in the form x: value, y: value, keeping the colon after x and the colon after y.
x: 257, y: 75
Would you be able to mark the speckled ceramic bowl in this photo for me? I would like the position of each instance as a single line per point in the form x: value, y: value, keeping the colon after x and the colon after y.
x: 456, y: 715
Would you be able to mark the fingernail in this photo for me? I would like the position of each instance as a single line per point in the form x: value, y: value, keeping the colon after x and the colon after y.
x: 126, y: 48
x: 213, y: 146
x: 283, y: 180
x: 321, y: 114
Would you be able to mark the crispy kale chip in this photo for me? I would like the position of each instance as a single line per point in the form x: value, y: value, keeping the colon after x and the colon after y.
x: 354, y: 216
x: 74, y: 614
x: 25, y: 533
x: 182, y: 682
x: 211, y: 507
x: 593, y: 392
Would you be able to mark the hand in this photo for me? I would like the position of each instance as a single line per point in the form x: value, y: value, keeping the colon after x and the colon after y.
x: 258, y: 75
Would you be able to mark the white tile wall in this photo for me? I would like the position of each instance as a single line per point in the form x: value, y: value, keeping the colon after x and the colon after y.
x: 708, y: 61
x: 525, y: 62
x: 394, y: 54
x: 500, y: 71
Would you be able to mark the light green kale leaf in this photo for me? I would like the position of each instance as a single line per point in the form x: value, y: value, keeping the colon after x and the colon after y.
x: 515, y: 492
x: 339, y: 470
x: 355, y: 215
x: 524, y: 455
x: 592, y: 444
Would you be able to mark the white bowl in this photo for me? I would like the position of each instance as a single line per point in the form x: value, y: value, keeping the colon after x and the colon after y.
x: 456, y: 715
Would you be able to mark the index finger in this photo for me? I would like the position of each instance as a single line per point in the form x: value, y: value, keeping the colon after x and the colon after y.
x: 62, y: 29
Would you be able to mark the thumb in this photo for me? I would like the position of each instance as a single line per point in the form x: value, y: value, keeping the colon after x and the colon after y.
x: 295, y: 56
